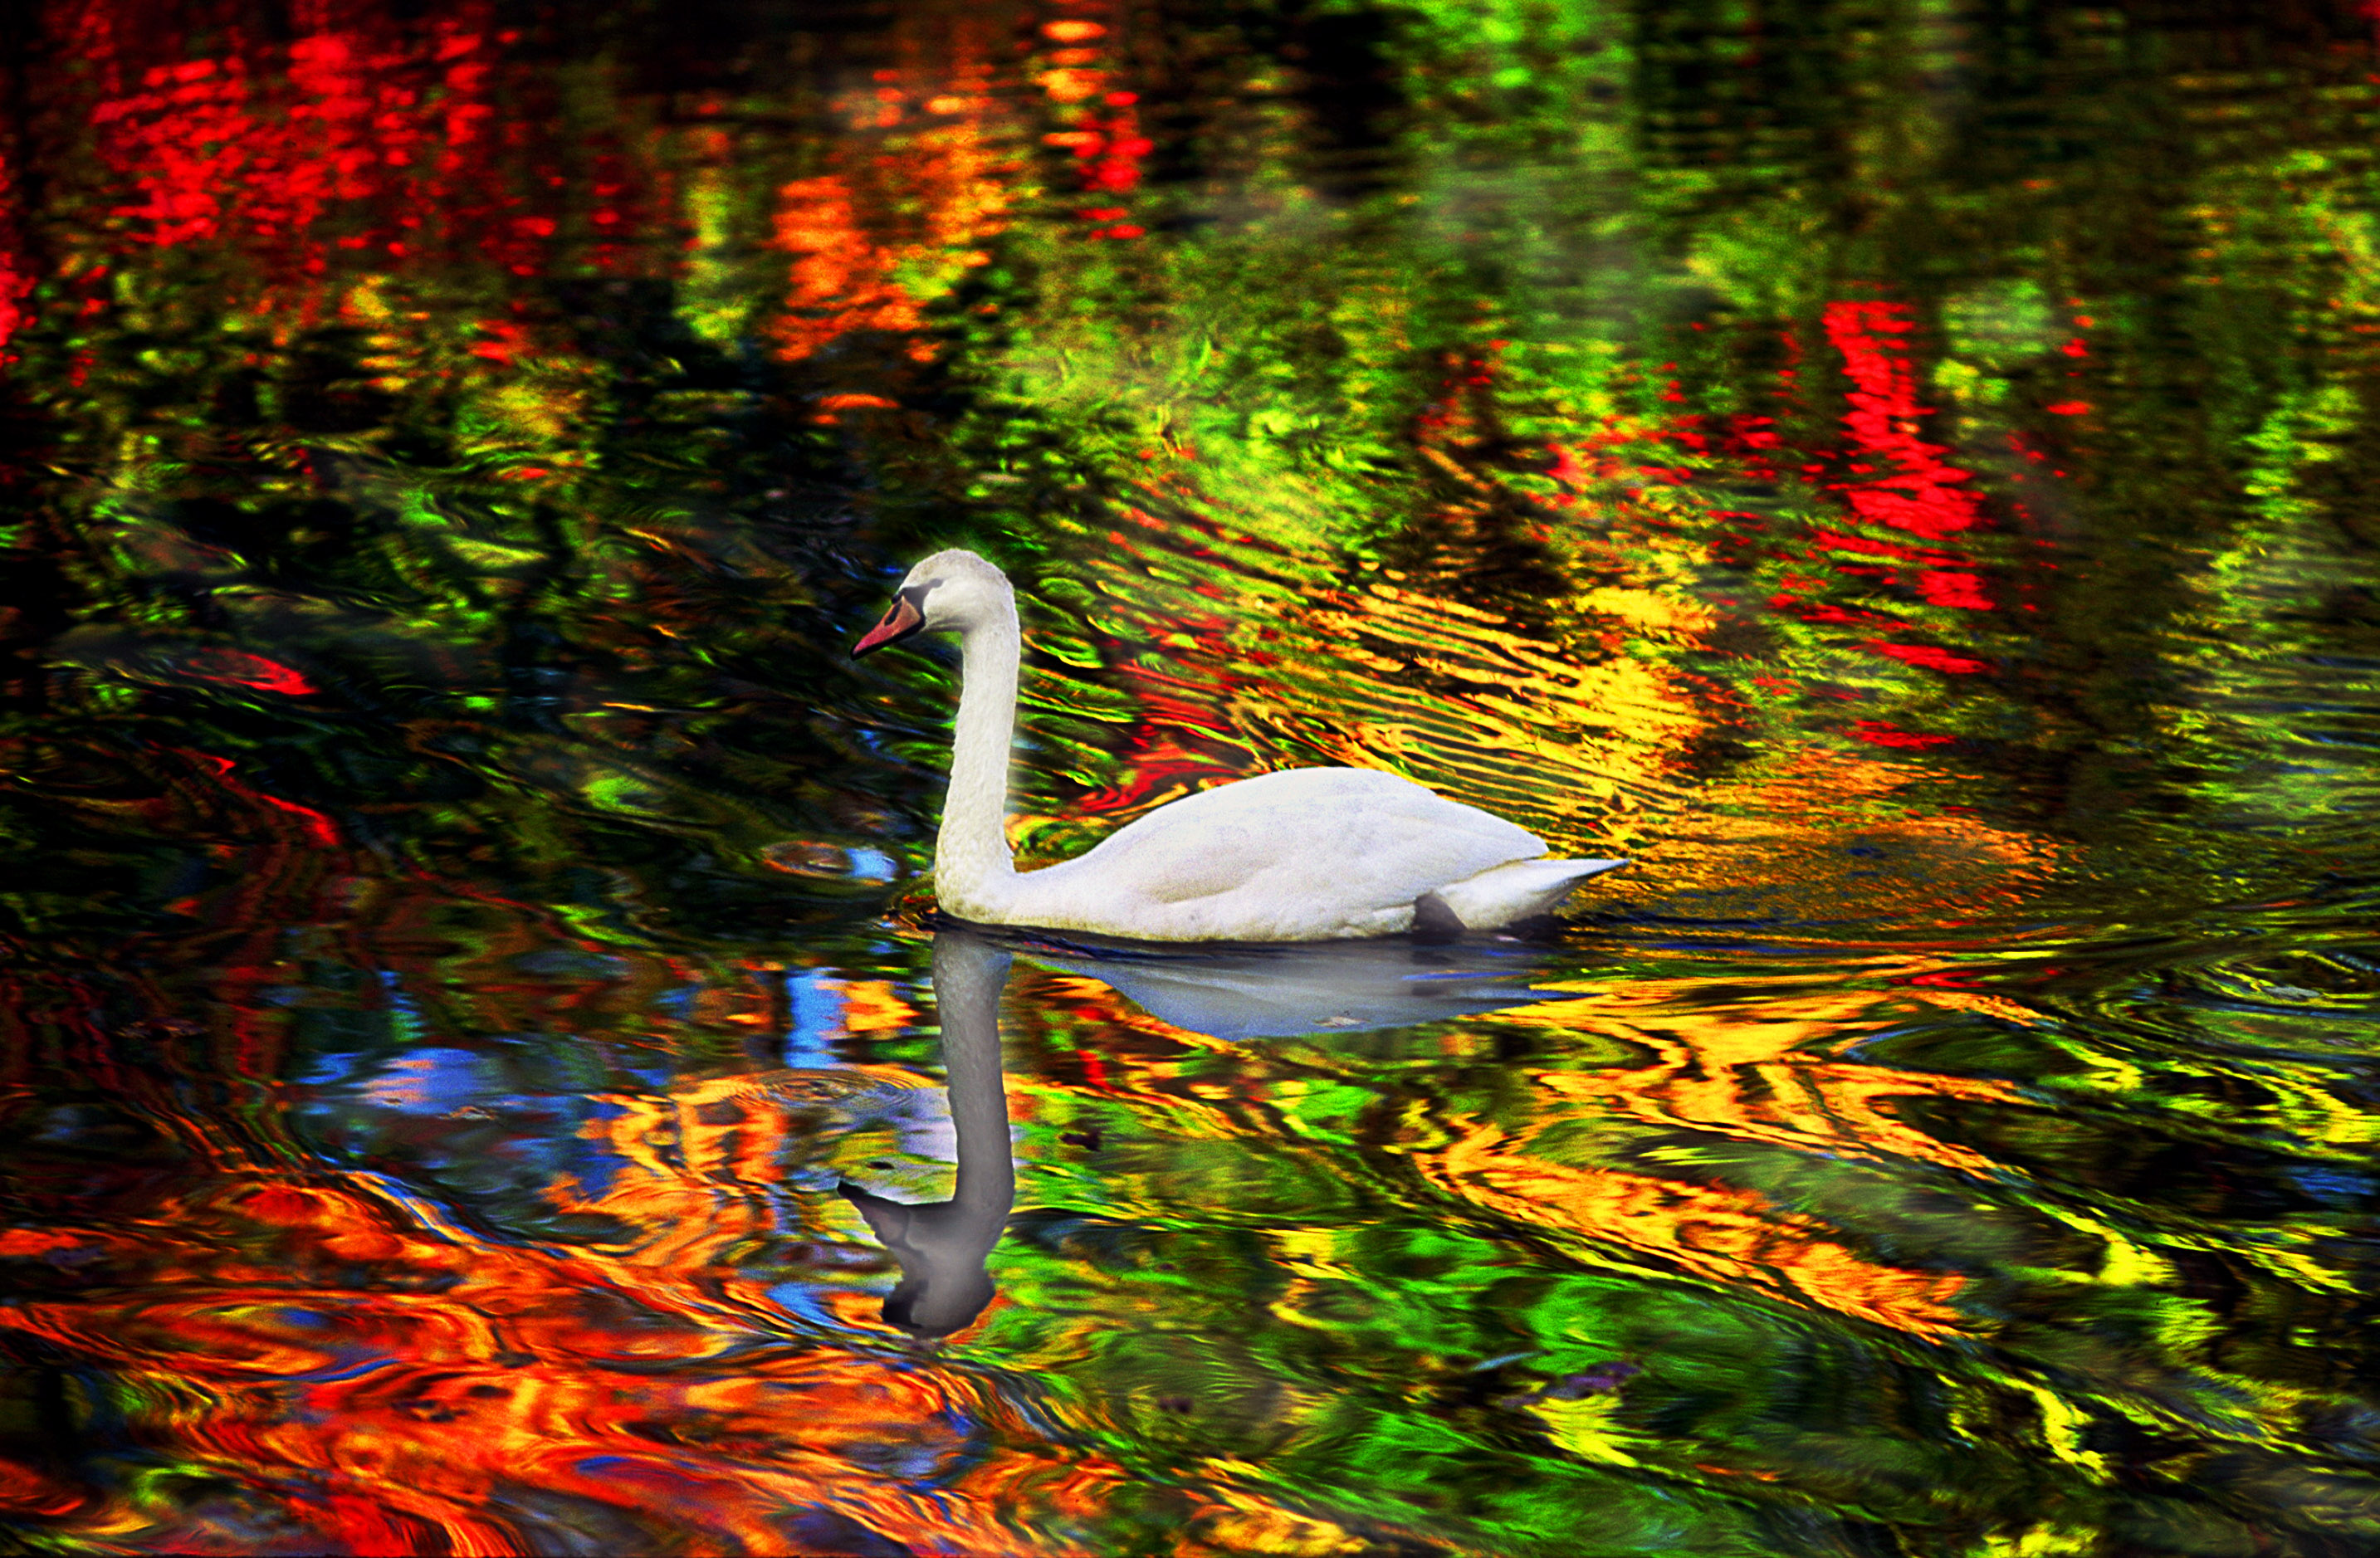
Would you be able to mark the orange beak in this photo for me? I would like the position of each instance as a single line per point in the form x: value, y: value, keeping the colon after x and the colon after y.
x: 903, y: 619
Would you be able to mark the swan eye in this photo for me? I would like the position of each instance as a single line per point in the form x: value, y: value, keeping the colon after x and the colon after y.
x: 906, y: 618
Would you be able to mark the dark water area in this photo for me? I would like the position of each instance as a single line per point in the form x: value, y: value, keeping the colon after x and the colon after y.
x: 480, y: 1068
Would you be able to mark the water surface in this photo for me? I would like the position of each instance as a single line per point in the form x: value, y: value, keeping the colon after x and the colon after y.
x: 470, y: 1022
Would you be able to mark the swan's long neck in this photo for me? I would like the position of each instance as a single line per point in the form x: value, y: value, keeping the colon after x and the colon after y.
x: 971, y: 857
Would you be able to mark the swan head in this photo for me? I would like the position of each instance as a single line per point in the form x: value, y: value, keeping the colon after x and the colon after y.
x: 949, y: 592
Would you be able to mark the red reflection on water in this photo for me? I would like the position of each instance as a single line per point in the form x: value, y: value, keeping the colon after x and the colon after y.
x: 238, y: 668
x: 1891, y: 480
x: 182, y: 143
x: 1904, y: 561
x: 1927, y: 655
x: 1877, y: 733
x: 262, y: 145
x: 15, y: 276
x: 318, y: 829
x: 1912, y: 487
x: 1107, y: 147
x: 361, y: 135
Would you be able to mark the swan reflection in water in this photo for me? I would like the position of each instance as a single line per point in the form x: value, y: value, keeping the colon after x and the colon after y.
x: 1232, y: 993
x: 942, y: 1244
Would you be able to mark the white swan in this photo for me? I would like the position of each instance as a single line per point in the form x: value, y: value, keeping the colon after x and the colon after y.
x: 1306, y: 855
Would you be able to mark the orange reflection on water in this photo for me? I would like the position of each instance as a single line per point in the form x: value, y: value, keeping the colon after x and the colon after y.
x: 1760, y: 1069
x: 1756, y: 1069
x: 348, y: 1362
x: 386, y: 1379
x: 471, y: 1373
x: 876, y: 241
x: 1719, y: 1233
x: 690, y: 1169
x: 1796, y: 813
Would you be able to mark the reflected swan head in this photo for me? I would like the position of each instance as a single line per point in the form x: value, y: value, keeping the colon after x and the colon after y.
x: 949, y: 592
x: 929, y: 1308
x: 941, y: 1246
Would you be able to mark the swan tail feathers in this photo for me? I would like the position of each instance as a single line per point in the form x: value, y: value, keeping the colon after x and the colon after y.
x: 1520, y: 890
x: 1434, y: 920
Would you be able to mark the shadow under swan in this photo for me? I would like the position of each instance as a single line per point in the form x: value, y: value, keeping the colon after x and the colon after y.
x: 1232, y: 993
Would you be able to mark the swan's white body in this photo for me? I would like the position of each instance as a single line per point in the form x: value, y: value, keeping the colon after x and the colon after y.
x: 1309, y: 854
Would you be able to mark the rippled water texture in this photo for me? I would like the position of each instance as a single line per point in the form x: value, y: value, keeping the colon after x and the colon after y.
x: 482, y: 1071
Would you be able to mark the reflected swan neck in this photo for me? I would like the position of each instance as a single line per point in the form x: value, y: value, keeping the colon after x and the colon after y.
x: 968, y: 977
x: 972, y: 862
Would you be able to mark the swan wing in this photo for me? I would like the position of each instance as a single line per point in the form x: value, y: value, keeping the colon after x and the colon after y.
x: 1303, y: 852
